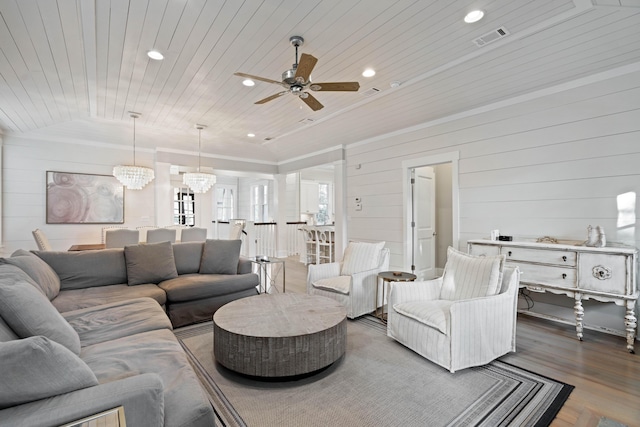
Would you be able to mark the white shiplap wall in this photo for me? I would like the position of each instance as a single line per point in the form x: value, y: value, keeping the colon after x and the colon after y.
x: 551, y: 165
x: 24, y: 165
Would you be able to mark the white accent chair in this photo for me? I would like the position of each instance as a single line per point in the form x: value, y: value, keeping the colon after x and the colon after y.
x: 465, y: 318
x: 352, y: 282
x: 194, y: 234
x: 120, y: 237
x: 41, y: 240
x: 157, y: 235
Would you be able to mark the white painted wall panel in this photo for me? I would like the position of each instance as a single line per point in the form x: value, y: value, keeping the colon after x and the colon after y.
x: 547, y: 166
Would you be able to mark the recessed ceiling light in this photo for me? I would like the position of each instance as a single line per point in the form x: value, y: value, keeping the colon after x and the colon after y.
x: 251, y: 135
x: 248, y: 82
x: 369, y: 72
x: 473, y: 16
x: 154, y: 54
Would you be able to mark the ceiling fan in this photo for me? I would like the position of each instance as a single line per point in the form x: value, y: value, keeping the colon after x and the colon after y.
x: 297, y: 80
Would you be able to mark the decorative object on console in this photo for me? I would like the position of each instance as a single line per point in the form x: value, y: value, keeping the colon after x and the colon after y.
x: 131, y: 176
x: 199, y: 182
x: 595, y: 237
x: 76, y: 198
x: 547, y: 239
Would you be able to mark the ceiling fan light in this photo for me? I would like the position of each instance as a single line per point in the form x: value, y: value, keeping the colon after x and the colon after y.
x: 473, y: 16
x: 248, y: 82
x: 369, y: 72
x: 154, y: 54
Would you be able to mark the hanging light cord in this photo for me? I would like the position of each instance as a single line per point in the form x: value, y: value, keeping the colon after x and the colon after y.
x: 199, y: 144
x: 135, y: 116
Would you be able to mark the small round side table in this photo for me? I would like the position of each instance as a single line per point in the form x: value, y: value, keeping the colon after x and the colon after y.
x: 390, y: 276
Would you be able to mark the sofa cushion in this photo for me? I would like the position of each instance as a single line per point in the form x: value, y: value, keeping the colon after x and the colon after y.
x: 159, y: 352
x: 150, y: 263
x: 189, y: 287
x: 6, y: 333
x: 116, y: 320
x: 29, y: 313
x: 42, y: 274
x: 187, y: 256
x: 75, y: 299
x: 220, y: 256
x: 361, y: 256
x: 84, y: 269
x: 340, y: 284
x: 433, y: 313
x: 468, y: 276
x: 36, y: 367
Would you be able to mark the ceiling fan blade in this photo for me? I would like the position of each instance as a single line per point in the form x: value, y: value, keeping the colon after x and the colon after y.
x: 313, y: 103
x: 336, y: 86
x: 262, y: 79
x: 305, y: 66
x: 272, y: 97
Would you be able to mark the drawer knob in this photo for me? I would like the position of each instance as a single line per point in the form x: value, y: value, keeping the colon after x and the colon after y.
x: 601, y: 272
x: 564, y: 258
x: 564, y: 275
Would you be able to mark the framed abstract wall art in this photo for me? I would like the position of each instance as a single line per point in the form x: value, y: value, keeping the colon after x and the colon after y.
x: 78, y: 198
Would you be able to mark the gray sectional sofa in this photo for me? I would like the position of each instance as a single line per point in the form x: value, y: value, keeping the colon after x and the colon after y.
x: 84, y: 332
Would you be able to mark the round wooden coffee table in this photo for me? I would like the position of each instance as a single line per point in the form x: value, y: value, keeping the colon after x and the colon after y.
x: 279, y: 335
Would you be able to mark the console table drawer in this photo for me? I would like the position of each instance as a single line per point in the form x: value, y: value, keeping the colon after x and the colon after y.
x: 540, y: 256
x: 547, y: 275
x: 604, y: 273
x: 484, y: 250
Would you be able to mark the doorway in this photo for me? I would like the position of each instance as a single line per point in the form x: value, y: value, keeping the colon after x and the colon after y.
x: 430, y: 190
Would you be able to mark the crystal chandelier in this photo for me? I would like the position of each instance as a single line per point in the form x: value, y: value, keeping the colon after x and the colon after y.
x: 199, y: 182
x: 133, y: 177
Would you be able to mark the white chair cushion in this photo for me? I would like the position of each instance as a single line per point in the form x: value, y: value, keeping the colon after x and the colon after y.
x: 340, y: 284
x: 468, y: 276
x: 361, y: 256
x: 434, y: 314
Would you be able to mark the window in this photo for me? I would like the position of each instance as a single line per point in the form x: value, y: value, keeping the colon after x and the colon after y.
x: 260, y: 203
x: 184, y: 207
x: 224, y: 203
x: 323, y: 217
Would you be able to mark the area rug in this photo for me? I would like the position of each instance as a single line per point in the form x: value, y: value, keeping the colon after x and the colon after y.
x: 377, y: 382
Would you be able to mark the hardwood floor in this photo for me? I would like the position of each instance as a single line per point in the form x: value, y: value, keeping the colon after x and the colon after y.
x: 605, y: 376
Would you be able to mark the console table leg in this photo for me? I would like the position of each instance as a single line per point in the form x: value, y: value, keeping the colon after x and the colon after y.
x: 631, y: 324
x: 579, y: 311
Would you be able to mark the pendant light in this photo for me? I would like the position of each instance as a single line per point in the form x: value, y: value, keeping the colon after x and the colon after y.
x: 131, y: 176
x: 199, y: 182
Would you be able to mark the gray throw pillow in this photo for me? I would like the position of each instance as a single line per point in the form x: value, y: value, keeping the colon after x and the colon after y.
x: 36, y: 368
x: 187, y: 256
x: 150, y: 263
x: 45, y: 277
x: 30, y: 313
x: 220, y: 257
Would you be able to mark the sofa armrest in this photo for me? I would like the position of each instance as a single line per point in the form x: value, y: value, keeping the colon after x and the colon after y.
x: 245, y: 265
x: 141, y: 396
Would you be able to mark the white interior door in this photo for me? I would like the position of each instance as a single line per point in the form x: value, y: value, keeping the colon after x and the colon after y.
x: 425, y: 223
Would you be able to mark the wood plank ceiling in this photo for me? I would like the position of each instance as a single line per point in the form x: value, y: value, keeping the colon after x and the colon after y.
x: 74, y: 68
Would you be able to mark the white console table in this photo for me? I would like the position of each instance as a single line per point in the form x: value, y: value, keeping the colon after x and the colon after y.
x: 604, y: 274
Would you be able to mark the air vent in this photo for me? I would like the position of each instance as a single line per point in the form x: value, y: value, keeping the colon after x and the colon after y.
x: 370, y: 92
x: 491, y: 37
